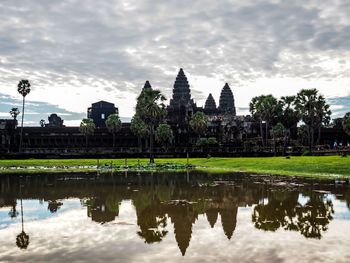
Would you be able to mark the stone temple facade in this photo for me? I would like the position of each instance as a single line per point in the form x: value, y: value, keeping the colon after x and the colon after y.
x: 226, y: 103
x: 224, y: 124
x: 229, y: 129
x: 182, y: 106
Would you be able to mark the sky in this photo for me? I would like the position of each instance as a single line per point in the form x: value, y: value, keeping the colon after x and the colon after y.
x: 78, y: 52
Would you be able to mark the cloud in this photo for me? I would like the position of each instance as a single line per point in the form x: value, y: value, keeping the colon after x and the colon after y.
x: 35, y: 111
x: 340, y: 105
x: 75, y: 54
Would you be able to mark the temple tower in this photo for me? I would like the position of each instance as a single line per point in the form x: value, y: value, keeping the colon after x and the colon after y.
x: 212, y: 216
x: 227, y: 102
x: 229, y: 219
x: 210, y: 104
x: 181, y: 107
x: 147, y: 85
x: 181, y: 90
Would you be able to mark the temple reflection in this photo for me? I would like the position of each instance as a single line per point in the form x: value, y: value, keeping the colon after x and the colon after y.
x: 163, y: 199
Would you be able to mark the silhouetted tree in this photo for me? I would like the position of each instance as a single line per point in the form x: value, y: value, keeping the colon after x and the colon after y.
x: 289, y: 115
x: 265, y: 108
x: 314, y: 111
x: 139, y: 128
x: 14, y: 113
x: 42, y: 123
x: 199, y: 123
x: 23, y: 88
x: 346, y: 123
x: 87, y: 127
x: 151, y: 109
x: 113, y: 125
x: 164, y: 135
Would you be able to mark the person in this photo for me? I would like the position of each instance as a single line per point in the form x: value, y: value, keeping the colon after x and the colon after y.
x: 335, y: 145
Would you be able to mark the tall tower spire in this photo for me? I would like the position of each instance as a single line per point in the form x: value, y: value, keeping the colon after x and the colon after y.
x: 210, y: 103
x: 147, y: 85
x: 181, y: 90
x: 227, y: 101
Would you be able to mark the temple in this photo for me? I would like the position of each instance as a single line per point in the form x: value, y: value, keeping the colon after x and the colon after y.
x: 235, y: 135
x: 100, y: 111
x: 182, y: 106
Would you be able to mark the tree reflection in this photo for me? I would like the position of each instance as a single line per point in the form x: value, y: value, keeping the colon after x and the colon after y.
x: 22, y: 239
x: 161, y: 201
x: 280, y: 211
x: 13, y: 212
x: 314, y: 216
x: 150, y: 217
x: 284, y: 211
x: 53, y: 206
x: 99, y: 211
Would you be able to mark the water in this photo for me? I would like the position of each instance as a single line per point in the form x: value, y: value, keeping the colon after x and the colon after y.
x: 179, y: 217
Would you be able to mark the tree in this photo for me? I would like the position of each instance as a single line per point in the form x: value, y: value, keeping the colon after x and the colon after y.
x: 314, y: 111
x: 303, y: 134
x: 164, y: 134
x: 323, y: 115
x: 113, y: 125
x: 14, y: 113
x: 289, y: 115
x: 87, y: 127
x: 199, y: 123
x: 139, y: 128
x: 266, y: 109
x: 151, y: 109
x: 42, y: 123
x: 23, y: 88
x: 279, y: 130
x: 346, y: 123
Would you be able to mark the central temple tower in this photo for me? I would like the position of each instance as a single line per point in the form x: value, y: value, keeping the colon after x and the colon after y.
x: 181, y: 91
x: 181, y: 106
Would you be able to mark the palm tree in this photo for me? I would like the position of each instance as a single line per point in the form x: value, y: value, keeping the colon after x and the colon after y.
x: 266, y: 109
x: 346, y: 123
x: 323, y: 114
x: 164, y: 134
x: 289, y: 116
x: 87, y: 127
x: 151, y: 110
x: 313, y: 110
x: 113, y: 125
x: 14, y: 113
x: 23, y: 88
x: 42, y: 123
x: 139, y: 128
x: 199, y: 123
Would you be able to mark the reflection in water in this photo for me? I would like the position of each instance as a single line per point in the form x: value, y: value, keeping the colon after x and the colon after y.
x: 284, y: 211
x: 22, y: 239
x: 54, y: 205
x: 180, y: 199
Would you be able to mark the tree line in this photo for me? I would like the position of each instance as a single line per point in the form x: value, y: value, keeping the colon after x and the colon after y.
x: 307, y: 112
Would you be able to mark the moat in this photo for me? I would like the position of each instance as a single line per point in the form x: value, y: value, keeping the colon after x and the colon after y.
x: 156, y: 217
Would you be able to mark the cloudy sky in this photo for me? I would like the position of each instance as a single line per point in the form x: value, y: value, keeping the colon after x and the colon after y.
x: 77, y: 52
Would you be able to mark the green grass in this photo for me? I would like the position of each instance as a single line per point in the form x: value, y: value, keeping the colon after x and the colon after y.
x: 321, y: 167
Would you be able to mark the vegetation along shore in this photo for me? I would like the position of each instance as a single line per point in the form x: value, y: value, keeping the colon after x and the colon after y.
x: 307, y: 166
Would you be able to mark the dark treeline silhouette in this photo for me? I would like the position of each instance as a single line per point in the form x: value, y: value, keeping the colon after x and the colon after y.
x: 298, y: 124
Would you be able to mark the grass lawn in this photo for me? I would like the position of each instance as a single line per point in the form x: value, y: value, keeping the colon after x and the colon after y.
x: 321, y: 167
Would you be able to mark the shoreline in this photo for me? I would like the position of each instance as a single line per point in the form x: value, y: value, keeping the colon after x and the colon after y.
x: 328, y: 167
